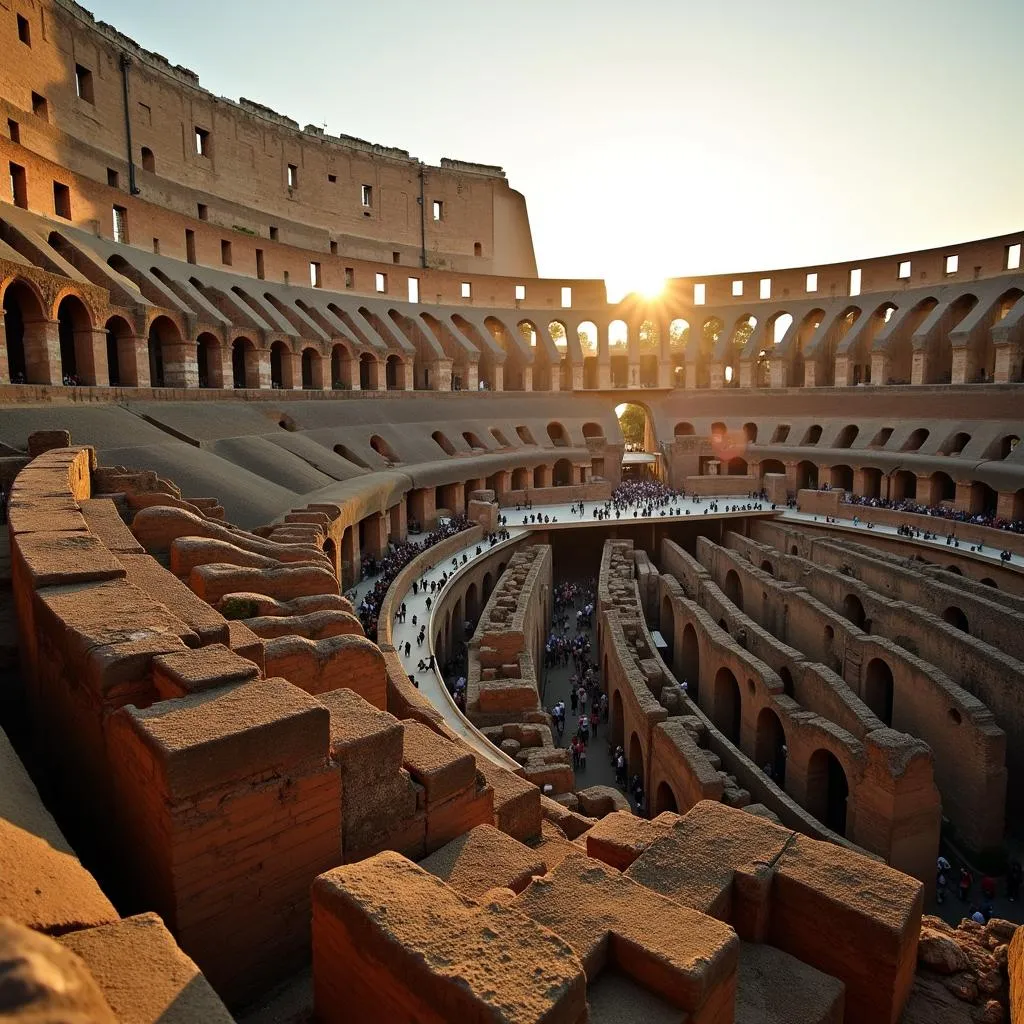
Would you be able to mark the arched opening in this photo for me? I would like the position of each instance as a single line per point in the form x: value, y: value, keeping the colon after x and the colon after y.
x: 827, y: 790
x: 769, y: 746
x: 846, y: 436
x: 956, y: 618
x: 635, y: 764
x: 943, y: 487
x: 734, y: 588
x: 904, y: 485
x: 641, y: 459
x: 163, y: 336
x: 341, y: 368
x: 728, y: 706
x: 394, y: 374
x: 618, y: 725
x: 148, y: 160
x: 280, y: 365
x: 787, y: 681
x: 441, y: 440
x: 22, y: 310
x: 562, y: 473
x: 558, y: 435
x: 312, y: 370
x: 472, y: 604
x: 872, y: 482
x: 842, y: 477
x: 853, y: 610
x: 684, y: 430
x: 208, y: 360
x: 586, y: 334
x: 368, y: 367
x: 813, y: 435
x: 955, y: 443
x: 520, y: 479
x: 488, y: 587
x: 750, y: 432
x: 689, y: 660
x: 736, y: 467
x: 916, y: 439
x: 383, y: 449
x: 331, y: 551
x: 618, y: 353
x: 593, y: 431
x: 987, y: 581
x: 879, y: 689
x: 664, y: 800
x: 806, y: 476
x: 74, y: 328
x: 983, y: 499
x: 119, y: 338
x: 245, y: 366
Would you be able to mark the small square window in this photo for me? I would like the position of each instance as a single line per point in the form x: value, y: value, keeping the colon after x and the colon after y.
x: 812, y: 283
x: 19, y: 185
x: 396, y: 257
x: 700, y: 294
x: 855, y: 281
x: 202, y: 211
x: 14, y: 130
x: 1013, y: 256
x: 156, y: 246
x: 202, y: 141
x: 273, y: 233
x: 190, y: 245
x: 367, y: 193
x: 381, y: 282
x: 437, y: 208
x: 350, y: 277
x: 414, y: 289
x: 61, y: 200
x: 520, y: 292
x: 467, y: 290
x: 952, y: 264
x: 261, y: 270
x: 113, y: 178
x: 39, y: 106
x: 332, y: 178
x: 293, y: 176
x: 24, y: 32
x: 478, y: 249
x: 120, y: 224
x: 903, y: 273
x: 314, y: 275
x: 334, y: 248
x: 566, y: 298
x: 765, y: 288
x: 737, y: 289
x: 225, y: 252
x: 83, y: 84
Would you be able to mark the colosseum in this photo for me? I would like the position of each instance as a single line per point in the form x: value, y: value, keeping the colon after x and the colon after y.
x: 322, y: 506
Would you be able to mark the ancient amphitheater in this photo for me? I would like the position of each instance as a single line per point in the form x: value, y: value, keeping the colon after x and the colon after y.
x: 301, y: 459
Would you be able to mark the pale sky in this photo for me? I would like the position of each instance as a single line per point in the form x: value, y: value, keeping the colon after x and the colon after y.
x: 657, y: 138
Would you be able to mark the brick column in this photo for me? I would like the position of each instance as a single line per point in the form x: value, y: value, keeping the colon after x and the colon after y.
x: 842, y: 371
x: 881, y: 367
x: 91, y: 357
x: 398, y: 527
x: 42, y: 352
x: 375, y: 534
x: 1008, y: 364
x: 717, y: 379
x: 747, y: 368
x: 919, y: 369
x: 424, y: 508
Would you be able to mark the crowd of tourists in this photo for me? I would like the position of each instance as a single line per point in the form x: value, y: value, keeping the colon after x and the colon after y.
x: 940, y: 511
x: 393, y: 561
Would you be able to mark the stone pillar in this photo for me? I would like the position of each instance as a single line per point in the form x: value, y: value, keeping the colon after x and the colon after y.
x: 791, y: 476
x: 964, y: 366
x: 502, y: 483
x: 375, y: 534
x: 691, y: 376
x: 881, y: 367
x: 717, y: 380
x: 472, y: 377
x: 859, y: 482
x: 919, y: 369
x: 263, y: 371
x: 424, y: 508
x: 527, y: 378
x: 498, y: 384
x: 180, y: 367
x: 604, y: 374
x: 42, y: 352
x: 1007, y: 505
x: 810, y: 374
x: 842, y: 371
x: 665, y: 373
x: 133, y: 361
x: 927, y: 489
x: 747, y: 367
x: 779, y: 373
x: 91, y: 357
x: 1008, y: 364
x: 398, y: 529
x: 964, y: 497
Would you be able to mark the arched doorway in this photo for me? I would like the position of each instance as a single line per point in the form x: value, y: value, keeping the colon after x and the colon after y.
x: 368, y: 372
x: 472, y: 603
x: 164, y: 338
x: 245, y: 369
x: 853, y: 610
x: 664, y: 800
x: 119, y: 339
x: 393, y: 373
x: 734, y: 589
x: 22, y: 310
x: 641, y: 459
x: 74, y: 329
x: 312, y: 370
x: 208, y: 361
x: 689, y: 657
x: 280, y: 365
x: 827, y: 790
x: 562, y: 473
x: 728, y: 707
x: 341, y: 368
x: 770, y: 746
x: 878, y: 689
x: 957, y: 618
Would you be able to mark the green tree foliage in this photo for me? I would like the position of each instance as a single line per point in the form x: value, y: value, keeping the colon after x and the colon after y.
x: 633, y: 421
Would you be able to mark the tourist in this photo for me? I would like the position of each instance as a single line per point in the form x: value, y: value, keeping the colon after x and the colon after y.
x: 594, y: 720
x: 966, y: 881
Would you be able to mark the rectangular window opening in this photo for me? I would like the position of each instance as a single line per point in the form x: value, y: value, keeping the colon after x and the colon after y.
x: 202, y: 211
x: 812, y: 283
x: 414, y: 289
x: 381, y: 282
x: 904, y: 271
x: 14, y: 130
x: 1013, y: 256
x: 765, y: 288
x: 437, y: 209
x: 113, y: 178
x: 202, y: 141
x: 261, y: 272
x: 350, y: 277
x: 700, y: 294
x: 520, y: 292
x: 190, y: 245
x: 61, y: 200
x: 952, y: 264
x: 396, y: 257
x: 39, y: 106
x: 332, y: 178
x: 478, y: 249
x: 24, y: 32
x: 334, y: 248
x: 293, y: 176
x: 566, y: 298
x: 19, y: 185
x: 855, y: 281
x: 737, y: 289
x: 83, y: 84
x: 467, y: 290
x: 314, y: 275
x: 225, y: 252
x: 367, y: 193
x: 273, y: 233
x: 120, y: 224
x: 156, y: 246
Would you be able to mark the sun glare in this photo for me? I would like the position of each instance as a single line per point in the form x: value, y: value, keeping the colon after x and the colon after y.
x: 647, y: 286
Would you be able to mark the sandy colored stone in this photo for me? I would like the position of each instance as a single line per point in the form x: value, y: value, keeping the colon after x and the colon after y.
x: 177, y: 675
x: 482, y: 859
x: 65, y: 558
x: 776, y: 988
x: 105, y: 522
x: 620, y: 837
x: 940, y: 952
x: 441, y: 767
x: 144, y: 976
x: 392, y: 942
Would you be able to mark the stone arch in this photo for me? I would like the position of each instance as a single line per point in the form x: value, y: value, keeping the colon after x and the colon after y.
x: 280, y: 365
x: 394, y: 373
x: 806, y: 475
x: 520, y: 478
x: 664, y: 800
x: 750, y: 433
x: 383, y: 449
x: 441, y: 440
x: 689, y: 660
x: 558, y: 435
x: 562, y: 473
x: 341, y: 367
x: 769, y: 744
x: 312, y: 369
x: 842, y: 477
x: 736, y: 467
x: 208, y: 361
x: 23, y: 316
x: 904, y: 485
x: 120, y: 352
x: 473, y: 603
x: 369, y: 371
x: 245, y: 364
x: 164, y: 337
x: 617, y: 717
x: 593, y: 431
x: 734, y: 588
x: 879, y: 689
x: 957, y: 618
x: 827, y: 790
x: 853, y: 610
x: 846, y: 436
x: 587, y: 336
x: 74, y: 330
x: 728, y: 705
x: 787, y: 681
x: 684, y: 430
x: 943, y: 487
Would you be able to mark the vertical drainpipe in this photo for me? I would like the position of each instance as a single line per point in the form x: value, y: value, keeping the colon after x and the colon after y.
x: 126, y: 63
x: 423, y: 220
